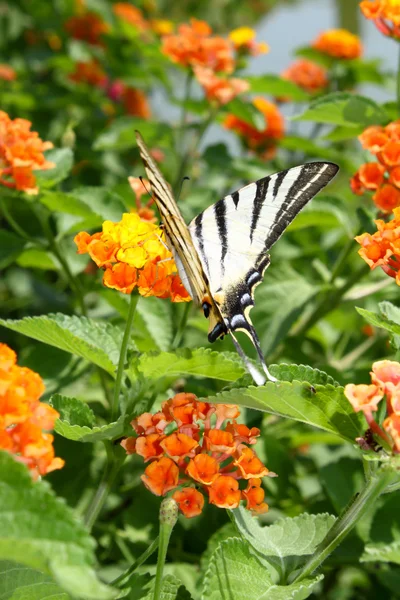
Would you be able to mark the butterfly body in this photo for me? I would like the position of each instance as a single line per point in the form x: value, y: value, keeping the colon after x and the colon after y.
x: 222, y: 255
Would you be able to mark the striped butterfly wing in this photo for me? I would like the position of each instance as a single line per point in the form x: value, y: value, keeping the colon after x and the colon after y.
x: 233, y: 237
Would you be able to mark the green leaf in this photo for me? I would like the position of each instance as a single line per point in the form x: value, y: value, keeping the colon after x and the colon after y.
x: 120, y: 135
x: 18, y: 582
x: 157, y: 317
x: 142, y: 588
x: 234, y: 573
x: 316, y: 56
x: 390, y: 312
x: 322, y: 406
x: 339, y: 134
x: 285, y: 372
x: 11, y: 246
x: 101, y: 202
x: 36, y: 258
x: 286, y: 543
x: 276, y: 86
x: 40, y: 531
x: 247, y: 112
x: 201, y: 362
x: 313, y: 150
x: 343, y: 108
x: 96, y: 341
x: 382, y: 552
x: 379, y: 321
x: 77, y: 422
x: 63, y: 159
x: 65, y: 203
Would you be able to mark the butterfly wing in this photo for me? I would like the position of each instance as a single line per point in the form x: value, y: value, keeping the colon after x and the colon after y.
x: 233, y: 237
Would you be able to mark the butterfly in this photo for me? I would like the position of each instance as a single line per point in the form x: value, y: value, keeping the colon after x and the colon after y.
x: 222, y: 255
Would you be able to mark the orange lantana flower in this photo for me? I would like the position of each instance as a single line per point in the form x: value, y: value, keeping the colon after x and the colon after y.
x: 7, y: 73
x: 133, y: 254
x: 307, y: 74
x: 136, y: 103
x: 88, y: 27
x: 339, y: 43
x: 385, y: 14
x: 194, y: 45
x: 219, y: 89
x: 21, y: 153
x: 90, y: 72
x: 207, y: 448
x: 383, y: 176
x: 263, y: 141
x: 244, y: 40
x: 23, y: 418
x: 130, y: 14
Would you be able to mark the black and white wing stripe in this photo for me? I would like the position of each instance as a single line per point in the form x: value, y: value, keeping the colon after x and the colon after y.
x: 233, y: 237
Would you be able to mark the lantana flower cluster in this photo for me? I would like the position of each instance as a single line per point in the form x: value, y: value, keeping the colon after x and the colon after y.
x: 211, y: 58
x: 308, y: 75
x: 21, y: 153
x: 384, y: 387
x: 24, y: 420
x: 198, y: 450
x: 133, y: 254
x: 263, y: 142
x: 339, y: 43
x: 385, y: 14
x: 382, y: 248
x: 382, y: 176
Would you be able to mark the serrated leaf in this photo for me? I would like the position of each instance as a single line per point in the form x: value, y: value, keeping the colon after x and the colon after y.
x: 382, y: 552
x: 390, y: 312
x: 201, y: 362
x: 96, y: 341
x: 76, y: 422
x: 285, y: 543
x: 40, y: 531
x: 234, y: 573
x: 11, y: 246
x: 225, y: 532
x: 276, y: 86
x: 285, y: 372
x: 323, y: 406
x: 343, y: 108
x: 18, y: 582
x: 63, y: 159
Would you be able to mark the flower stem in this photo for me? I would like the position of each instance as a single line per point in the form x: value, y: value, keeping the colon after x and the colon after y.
x: 16, y: 227
x: 146, y: 554
x: 122, y: 356
x: 168, y: 518
x: 182, y: 326
x: 112, y: 467
x: 360, y: 504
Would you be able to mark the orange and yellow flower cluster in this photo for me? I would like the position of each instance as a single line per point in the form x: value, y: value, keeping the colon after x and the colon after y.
x: 385, y: 14
x: 309, y: 76
x: 339, y: 43
x: 23, y: 418
x: 191, y: 446
x: 263, y: 142
x: 385, y: 383
x: 211, y: 58
x: 21, y: 153
x: 382, y: 177
x: 133, y: 255
x: 382, y: 248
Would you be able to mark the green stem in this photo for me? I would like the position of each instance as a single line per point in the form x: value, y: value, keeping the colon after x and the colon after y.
x: 146, y: 554
x: 360, y: 504
x: 112, y: 467
x: 122, y: 356
x: 168, y: 518
x: 182, y: 326
x: 342, y: 258
x: 16, y: 227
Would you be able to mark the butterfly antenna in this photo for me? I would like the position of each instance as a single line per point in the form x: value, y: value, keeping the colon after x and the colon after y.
x: 181, y: 186
x: 258, y: 378
x: 144, y: 185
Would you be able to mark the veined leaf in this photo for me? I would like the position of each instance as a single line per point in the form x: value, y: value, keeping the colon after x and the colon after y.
x: 95, y: 341
x: 157, y: 317
x: 380, y: 321
x: 63, y: 159
x: 18, y: 582
x: 234, y: 573
x: 40, y: 531
x: 343, y: 108
x: 323, y: 406
x: 286, y: 543
x: 77, y: 420
x: 276, y: 86
x: 201, y: 362
x: 382, y: 552
x: 285, y: 372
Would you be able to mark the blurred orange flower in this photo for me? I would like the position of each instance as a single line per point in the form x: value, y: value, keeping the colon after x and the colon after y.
x: 243, y: 38
x: 133, y: 254
x: 385, y: 14
x: 194, y: 44
x: 307, y: 74
x: 23, y: 418
x: 219, y: 89
x: 88, y: 27
x: 200, y: 450
x: 383, y: 176
x: 90, y: 72
x: 21, y: 153
x: 7, y: 73
x: 263, y: 142
x: 130, y: 14
x: 135, y: 103
x: 339, y: 43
